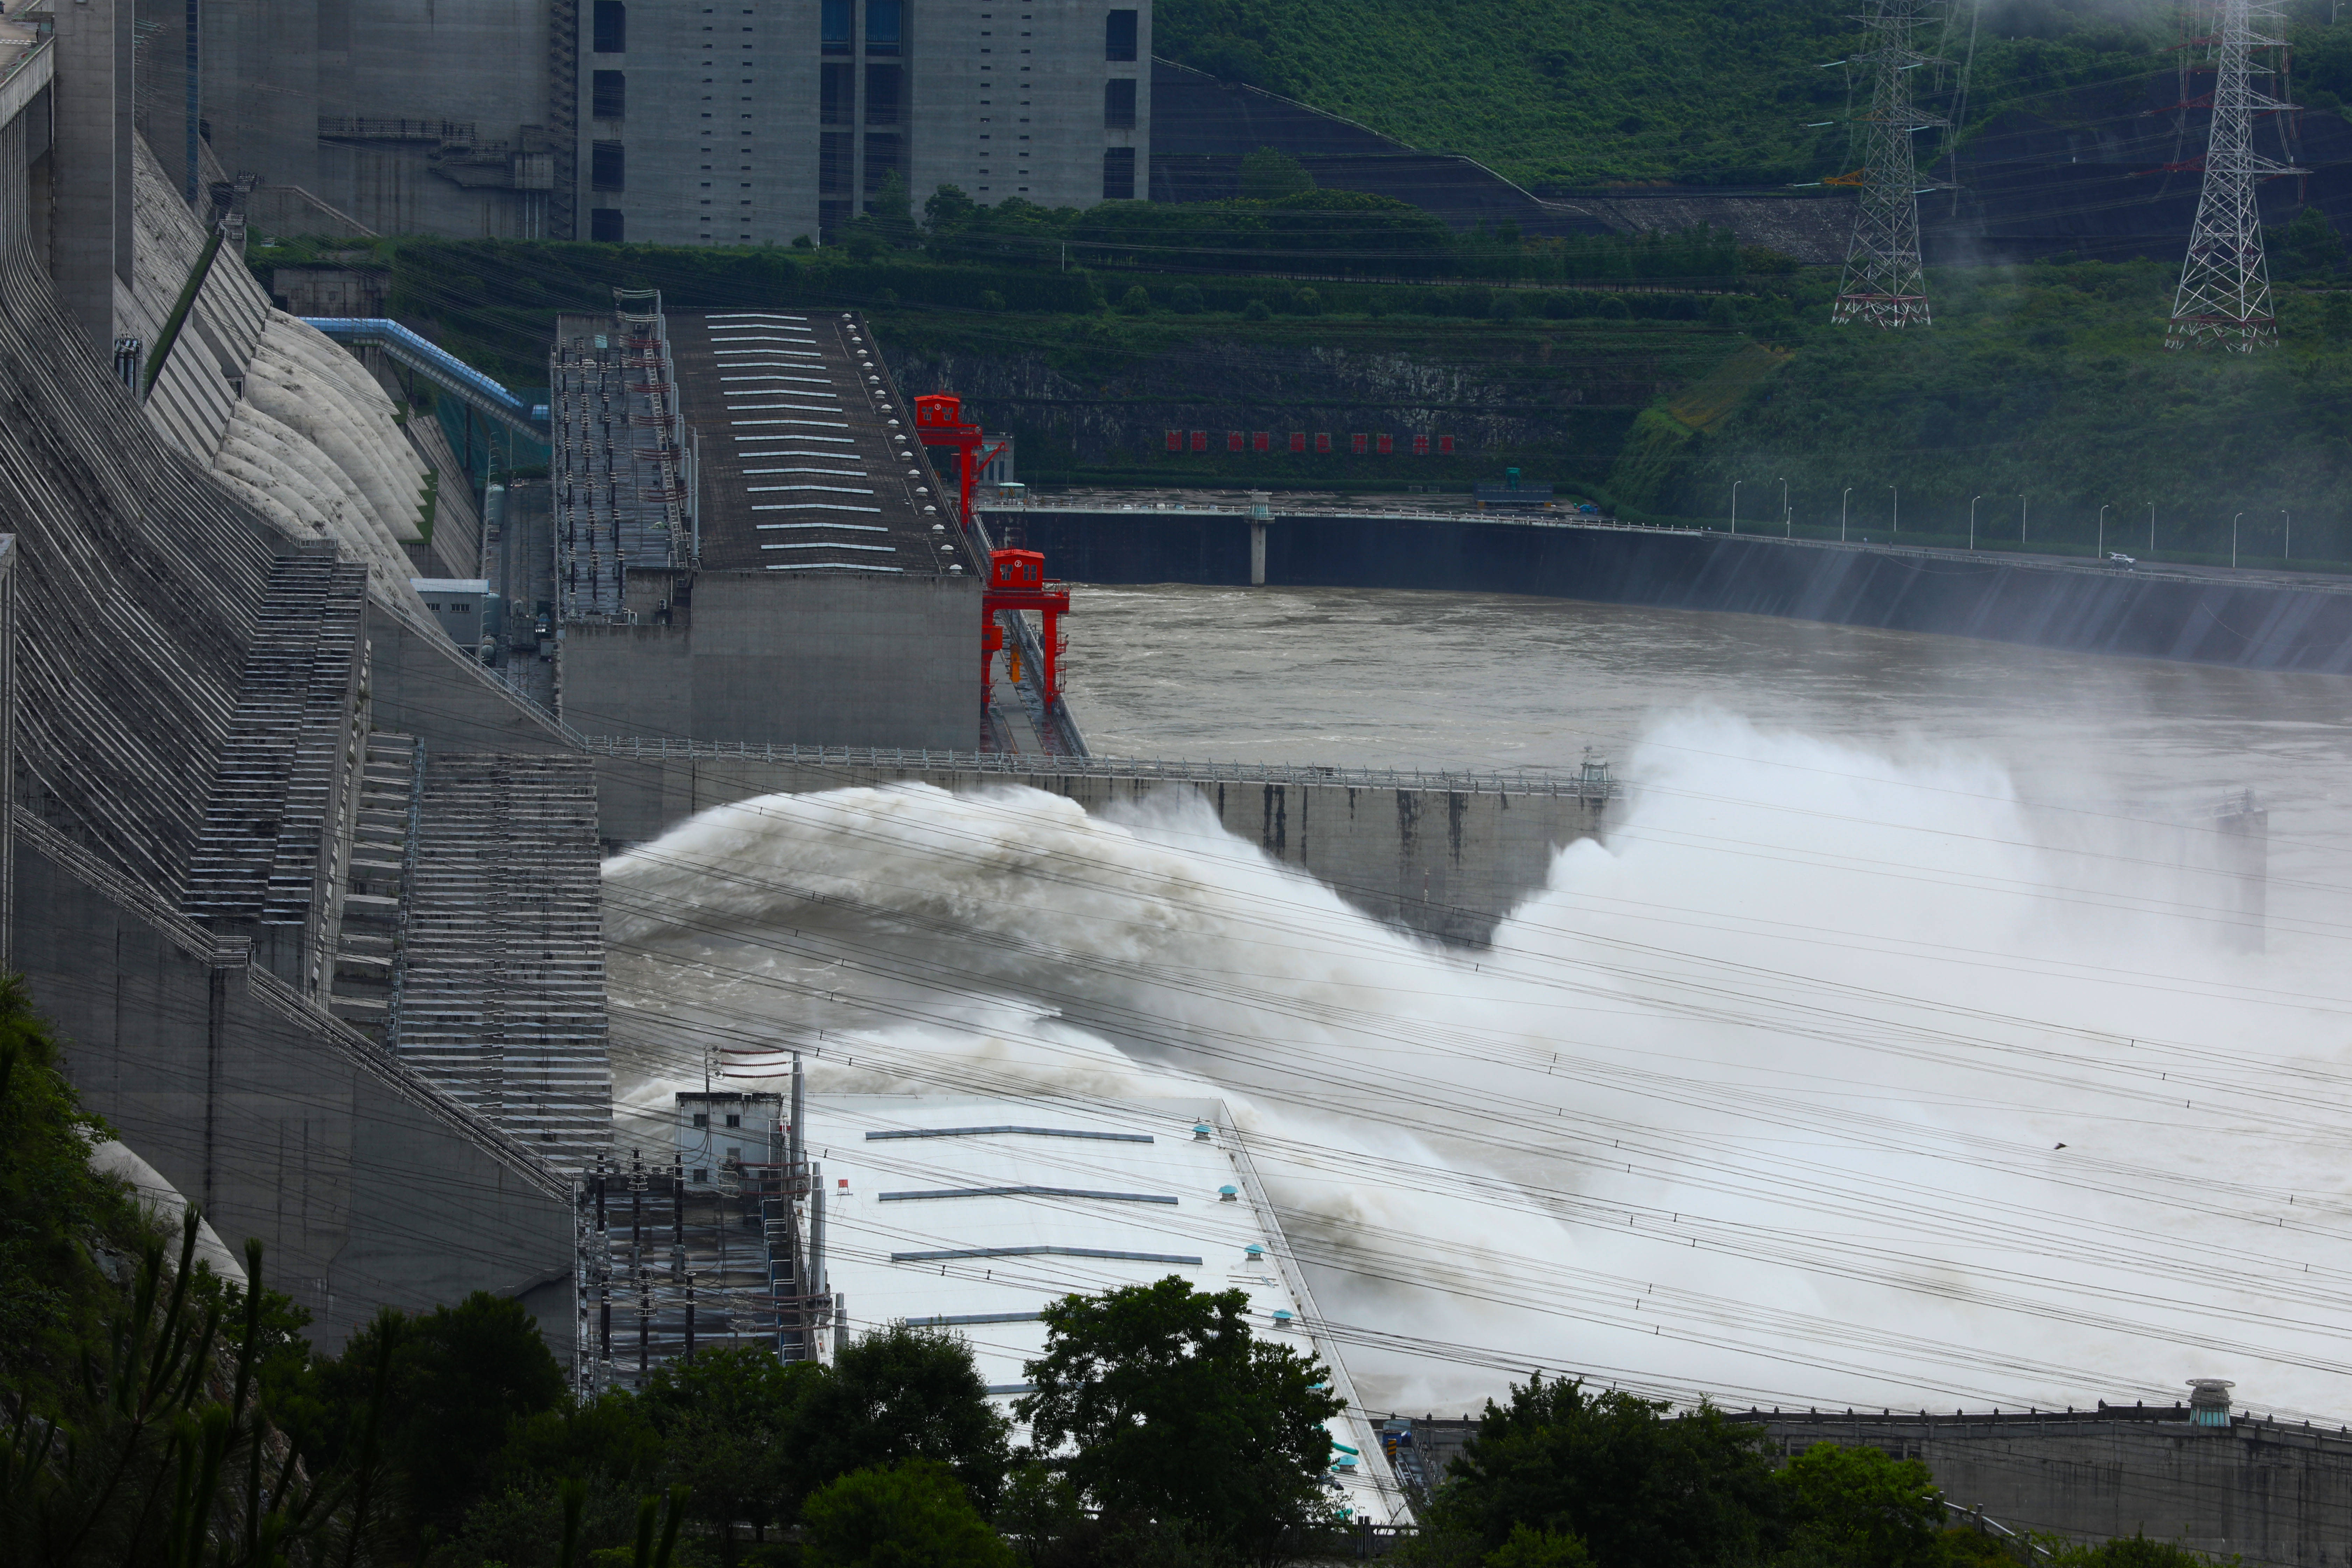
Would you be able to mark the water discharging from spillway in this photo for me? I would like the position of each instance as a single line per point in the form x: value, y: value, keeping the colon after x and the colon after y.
x: 1836, y: 1077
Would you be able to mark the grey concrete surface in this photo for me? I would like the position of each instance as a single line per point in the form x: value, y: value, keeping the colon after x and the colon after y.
x: 364, y: 1188
x: 90, y: 247
x: 845, y: 660
x: 425, y: 686
x: 2269, y: 1492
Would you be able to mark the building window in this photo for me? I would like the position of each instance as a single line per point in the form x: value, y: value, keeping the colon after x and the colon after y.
x: 702, y: 1176
x: 608, y: 167
x: 881, y: 27
x: 833, y: 150
x: 611, y: 27
x: 1118, y: 35
x: 702, y: 1119
x: 1118, y: 102
x: 830, y: 217
x: 835, y: 86
x: 604, y: 225
x: 836, y: 17
x: 734, y: 1121
x: 882, y: 155
x: 608, y: 96
x: 1118, y: 175
x: 884, y: 84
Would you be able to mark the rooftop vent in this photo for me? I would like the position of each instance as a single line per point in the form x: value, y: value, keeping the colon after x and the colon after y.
x: 2209, y: 1401
x: 1228, y: 1193
x: 1200, y: 1132
x: 1253, y: 1252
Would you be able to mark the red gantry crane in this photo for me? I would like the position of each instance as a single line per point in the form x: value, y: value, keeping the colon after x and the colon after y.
x: 1017, y: 578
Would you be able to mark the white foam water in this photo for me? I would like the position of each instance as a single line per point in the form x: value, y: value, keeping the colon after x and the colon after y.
x: 1836, y: 1076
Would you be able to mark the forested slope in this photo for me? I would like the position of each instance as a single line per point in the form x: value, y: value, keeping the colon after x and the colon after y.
x: 1564, y: 93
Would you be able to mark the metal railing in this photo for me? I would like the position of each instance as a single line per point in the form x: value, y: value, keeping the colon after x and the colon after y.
x: 1591, y: 782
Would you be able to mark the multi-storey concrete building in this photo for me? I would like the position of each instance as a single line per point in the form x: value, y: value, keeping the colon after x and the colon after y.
x: 732, y: 122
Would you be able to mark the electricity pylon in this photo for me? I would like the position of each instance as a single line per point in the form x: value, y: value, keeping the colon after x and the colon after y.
x: 1884, y: 285
x: 2224, y: 300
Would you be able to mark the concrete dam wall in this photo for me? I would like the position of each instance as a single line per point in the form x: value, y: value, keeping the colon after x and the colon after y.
x: 2267, y: 623
x: 1444, y: 855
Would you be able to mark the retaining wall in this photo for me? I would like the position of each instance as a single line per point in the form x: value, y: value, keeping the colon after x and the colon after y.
x: 2148, y: 613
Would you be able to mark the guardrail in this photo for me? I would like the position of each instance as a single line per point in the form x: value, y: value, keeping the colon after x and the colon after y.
x: 1592, y: 782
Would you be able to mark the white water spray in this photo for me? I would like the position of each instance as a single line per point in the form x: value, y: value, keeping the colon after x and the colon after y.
x: 1834, y: 1078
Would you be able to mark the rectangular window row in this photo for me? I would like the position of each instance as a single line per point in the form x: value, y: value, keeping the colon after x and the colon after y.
x: 837, y: 26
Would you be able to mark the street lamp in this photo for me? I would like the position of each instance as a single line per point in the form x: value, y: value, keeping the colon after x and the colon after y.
x: 2021, y: 522
x: 2151, y: 531
x: 1898, y: 507
x: 2102, y: 552
x: 1735, y: 506
x: 2233, y: 542
x: 1841, y: 500
x: 1788, y: 529
x: 1972, y: 521
x: 2288, y: 554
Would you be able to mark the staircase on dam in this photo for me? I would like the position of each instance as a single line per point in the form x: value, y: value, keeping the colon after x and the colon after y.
x: 375, y: 890
x: 499, y: 990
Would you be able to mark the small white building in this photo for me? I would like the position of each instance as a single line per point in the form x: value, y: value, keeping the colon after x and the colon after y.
x: 724, y: 1130
x: 973, y: 1214
x: 460, y: 606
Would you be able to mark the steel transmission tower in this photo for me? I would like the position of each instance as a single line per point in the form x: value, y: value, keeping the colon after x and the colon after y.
x: 2225, y: 290
x: 1884, y: 285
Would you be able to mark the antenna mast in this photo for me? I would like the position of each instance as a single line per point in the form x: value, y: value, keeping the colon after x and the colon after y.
x: 2224, y: 300
x: 1884, y: 285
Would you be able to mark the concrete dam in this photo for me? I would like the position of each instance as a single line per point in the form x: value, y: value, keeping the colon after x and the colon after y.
x: 1447, y: 855
x: 2255, y: 621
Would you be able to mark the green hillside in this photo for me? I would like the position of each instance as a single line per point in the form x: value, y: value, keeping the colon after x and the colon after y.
x: 1562, y: 93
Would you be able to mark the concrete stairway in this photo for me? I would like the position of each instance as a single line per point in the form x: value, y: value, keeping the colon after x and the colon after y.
x: 502, y: 984
x: 270, y: 842
x: 367, y: 949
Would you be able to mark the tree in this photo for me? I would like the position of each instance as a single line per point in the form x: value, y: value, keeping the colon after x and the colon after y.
x: 947, y: 211
x: 896, y: 1394
x: 724, y: 1418
x: 607, y: 1448
x: 1160, y: 1404
x: 1693, y: 1492
x: 912, y: 1515
x: 1530, y: 1548
x: 463, y: 1376
x: 1269, y: 175
x: 52, y: 1205
x: 1136, y: 301
x: 1856, y: 1508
